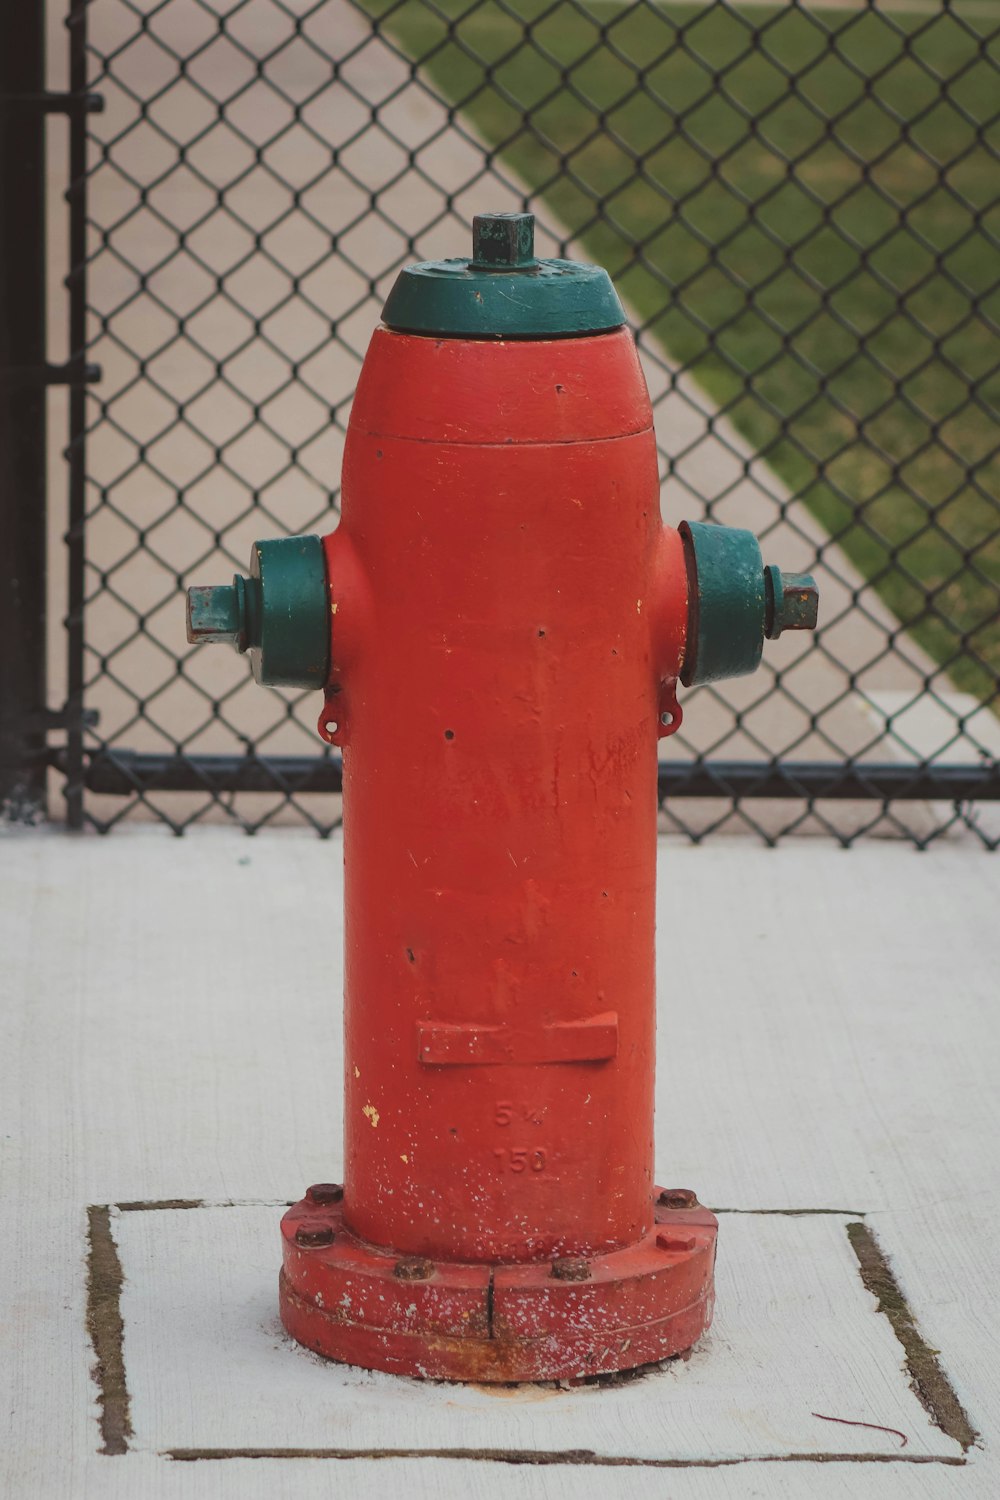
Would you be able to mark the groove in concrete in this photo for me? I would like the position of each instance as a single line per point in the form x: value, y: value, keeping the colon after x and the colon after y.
x: 104, y: 1324
x: 927, y: 1379
x: 577, y: 1456
x: 796, y: 1212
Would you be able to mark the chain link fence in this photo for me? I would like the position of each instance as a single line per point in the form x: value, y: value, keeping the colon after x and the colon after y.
x: 801, y: 210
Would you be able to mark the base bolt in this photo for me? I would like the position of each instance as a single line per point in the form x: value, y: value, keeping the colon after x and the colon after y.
x: 678, y: 1198
x: 324, y: 1192
x: 314, y: 1235
x: 676, y: 1243
x: 570, y: 1270
x: 413, y: 1268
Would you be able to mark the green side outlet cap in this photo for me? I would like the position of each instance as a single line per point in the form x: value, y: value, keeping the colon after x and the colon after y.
x: 503, y: 292
x: 279, y: 615
x: 734, y: 602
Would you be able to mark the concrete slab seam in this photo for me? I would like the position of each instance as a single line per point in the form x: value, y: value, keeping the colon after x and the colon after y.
x: 105, y: 1325
x: 928, y: 1381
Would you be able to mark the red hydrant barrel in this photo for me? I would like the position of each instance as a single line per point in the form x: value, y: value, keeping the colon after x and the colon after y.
x: 499, y: 623
x: 499, y: 724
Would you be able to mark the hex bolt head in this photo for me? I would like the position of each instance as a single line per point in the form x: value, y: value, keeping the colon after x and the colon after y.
x: 413, y: 1268
x: 675, y: 1243
x: 503, y: 242
x: 314, y: 1235
x: 324, y: 1192
x: 678, y: 1198
x: 570, y: 1269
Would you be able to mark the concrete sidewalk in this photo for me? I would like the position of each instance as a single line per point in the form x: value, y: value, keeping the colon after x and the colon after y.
x: 170, y: 1075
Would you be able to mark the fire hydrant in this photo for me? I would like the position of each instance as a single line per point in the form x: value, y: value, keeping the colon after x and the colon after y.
x: 498, y: 624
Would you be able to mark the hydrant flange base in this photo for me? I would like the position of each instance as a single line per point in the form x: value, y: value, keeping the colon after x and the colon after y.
x: 446, y: 1320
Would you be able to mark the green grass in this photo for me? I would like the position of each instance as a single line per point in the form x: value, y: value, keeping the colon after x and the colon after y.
x: 844, y: 312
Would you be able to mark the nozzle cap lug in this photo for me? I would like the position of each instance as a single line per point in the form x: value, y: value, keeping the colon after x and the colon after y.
x: 791, y: 602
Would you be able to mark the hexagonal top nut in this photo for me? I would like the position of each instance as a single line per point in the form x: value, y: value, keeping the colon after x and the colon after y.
x: 791, y: 602
x: 503, y: 242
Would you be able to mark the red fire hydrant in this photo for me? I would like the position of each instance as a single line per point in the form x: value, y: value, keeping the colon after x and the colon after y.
x: 498, y: 624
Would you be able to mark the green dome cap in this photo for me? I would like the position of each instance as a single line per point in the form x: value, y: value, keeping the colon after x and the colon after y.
x: 503, y: 292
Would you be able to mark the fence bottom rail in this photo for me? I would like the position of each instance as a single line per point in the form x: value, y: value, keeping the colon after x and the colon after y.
x: 125, y: 773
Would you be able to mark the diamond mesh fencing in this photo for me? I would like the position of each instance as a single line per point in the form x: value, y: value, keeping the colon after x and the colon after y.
x: 801, y: 211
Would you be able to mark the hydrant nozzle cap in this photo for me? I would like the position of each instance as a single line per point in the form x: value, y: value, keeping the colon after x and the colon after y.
x: 734, y: 602
x: 473, y: 298
x: 279, y: 615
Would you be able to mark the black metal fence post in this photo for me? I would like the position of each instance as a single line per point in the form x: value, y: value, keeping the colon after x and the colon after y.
x: 76, y: 454
x: 22, y: 413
